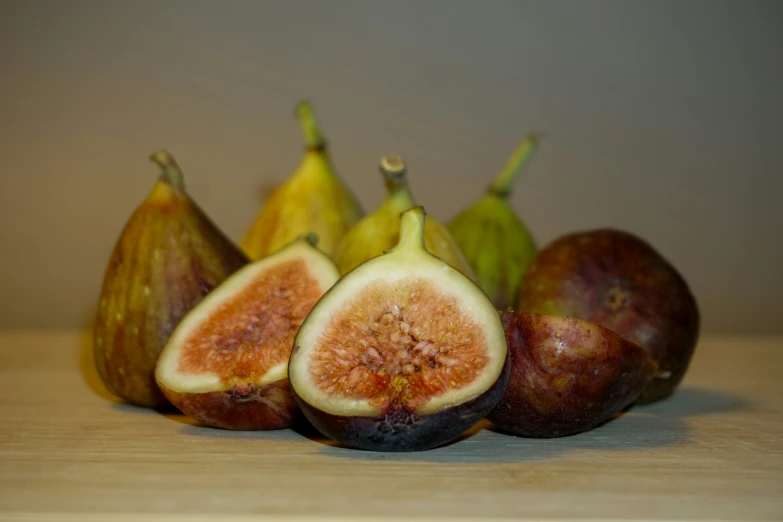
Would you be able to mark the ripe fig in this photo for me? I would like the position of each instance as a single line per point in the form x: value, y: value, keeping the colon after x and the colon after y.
x: 379, y: 231
x: 314, y: 198
x: 616, y: 279
x: 167, y: 258
x: 226, y: 362
x: 404, y: 353
x: 567, y: 375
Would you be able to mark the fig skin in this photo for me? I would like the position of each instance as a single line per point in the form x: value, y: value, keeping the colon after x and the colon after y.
x: 619, y: 281
x: 567, y: 376
x: 399, y: 429
x: 271, y: 406
x: 169, y: 255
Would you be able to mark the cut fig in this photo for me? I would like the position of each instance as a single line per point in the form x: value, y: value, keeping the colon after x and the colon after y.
x: 225, y: 364
x: 404, y: 353
x: 567, y: 375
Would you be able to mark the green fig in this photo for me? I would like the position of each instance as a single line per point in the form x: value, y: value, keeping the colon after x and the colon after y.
x: 495, y: 241
x: 167, y: 258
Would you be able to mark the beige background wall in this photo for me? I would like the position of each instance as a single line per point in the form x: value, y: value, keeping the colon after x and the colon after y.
x: 663, y: 118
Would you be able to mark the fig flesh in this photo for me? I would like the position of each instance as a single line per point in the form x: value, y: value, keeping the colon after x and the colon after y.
x: 404, y: 353
x: 567, y: 375
x: 168, y: 256
x: 226, y: 363
x: 616, y: 279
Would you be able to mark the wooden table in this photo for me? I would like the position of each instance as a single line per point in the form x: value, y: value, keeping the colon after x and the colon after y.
x: 70, y: 451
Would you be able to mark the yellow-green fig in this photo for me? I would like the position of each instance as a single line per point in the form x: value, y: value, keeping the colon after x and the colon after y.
x: 380, y: 231
x: 495, y: 241
x: 169, y: 256
x: 313, y: 199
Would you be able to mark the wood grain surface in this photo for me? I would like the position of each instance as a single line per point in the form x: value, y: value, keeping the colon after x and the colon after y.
x: 70, y: 451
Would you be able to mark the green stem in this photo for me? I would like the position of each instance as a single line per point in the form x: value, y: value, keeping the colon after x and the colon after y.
x: 313, y: 137
x: 503, y: 182
x: 171, y: 174
x: 412, y: 229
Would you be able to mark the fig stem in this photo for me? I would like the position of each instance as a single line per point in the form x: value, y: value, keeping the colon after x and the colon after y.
x: 412, y: 229
x: 395, y: 177
x: 504, y: 181
x: 313, y: 137
x: 171, y: 174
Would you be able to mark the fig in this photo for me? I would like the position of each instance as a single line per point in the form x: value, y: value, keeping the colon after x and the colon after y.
x: 314, y: 198
x: 169, y: 255
x: 404, y: 353
x: 379, y: 231
x: 616, y: 279
x: 567, y: 375
x: 225, y: 364
x: 495, y: 241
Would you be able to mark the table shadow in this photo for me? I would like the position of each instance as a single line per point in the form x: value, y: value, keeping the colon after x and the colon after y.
x: 484, y: 443
x: 301, y: 430
x: 692, y: 401
x: 651, y: 426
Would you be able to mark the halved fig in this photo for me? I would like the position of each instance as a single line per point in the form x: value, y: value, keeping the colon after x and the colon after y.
x: 404, y: 353
x: 567, y: 375
x: 226, y: 362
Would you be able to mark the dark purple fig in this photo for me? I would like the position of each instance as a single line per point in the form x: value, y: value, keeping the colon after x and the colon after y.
x: 615, y: 279
x: 567, y: 375
x: 404, y: 353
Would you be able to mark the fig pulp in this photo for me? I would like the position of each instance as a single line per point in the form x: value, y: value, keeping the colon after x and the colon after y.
x: 567, y: 375
x: 615, y: 279
x: 226, y: 363
x: 167, y: 258
x: 404, y: 353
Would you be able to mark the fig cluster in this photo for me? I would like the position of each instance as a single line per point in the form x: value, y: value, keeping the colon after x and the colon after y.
x: 387, y: 330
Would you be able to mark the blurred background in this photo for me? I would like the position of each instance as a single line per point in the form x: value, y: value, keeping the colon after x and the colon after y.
x: 662, y: 118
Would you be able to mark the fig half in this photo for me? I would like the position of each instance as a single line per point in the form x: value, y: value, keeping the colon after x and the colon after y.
x: 225, y: 364
x: 404, y: 353
x: 567, y: 375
